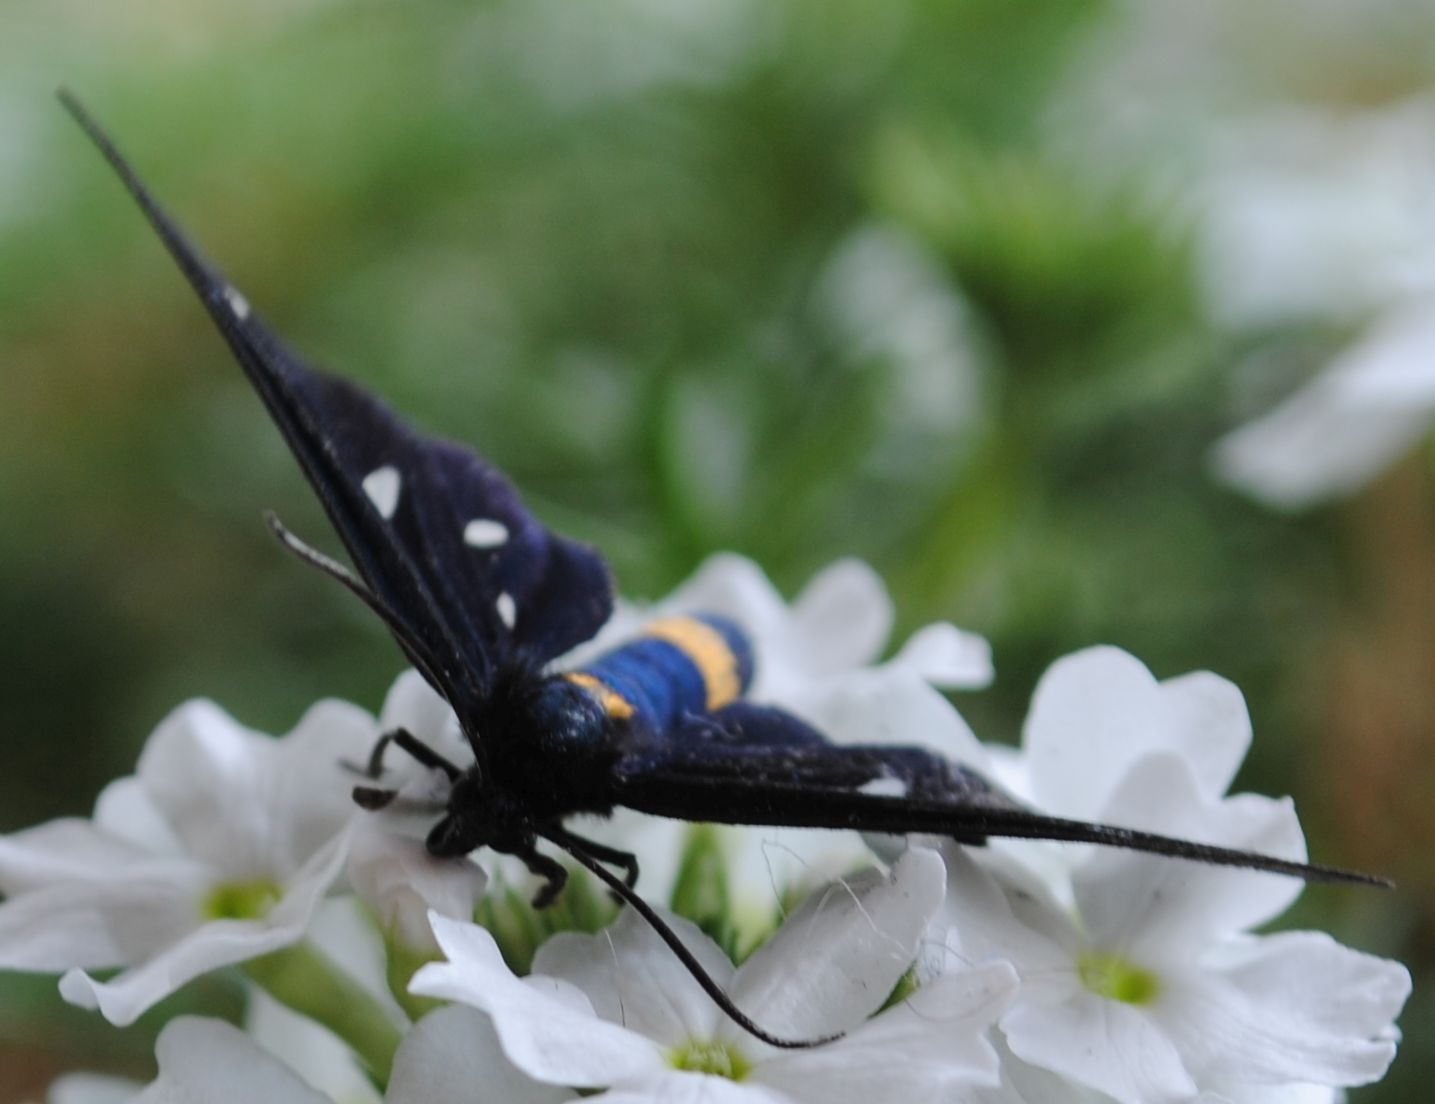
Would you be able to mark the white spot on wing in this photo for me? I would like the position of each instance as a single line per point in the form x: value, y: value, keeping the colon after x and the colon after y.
x: 507, y: 611
x: 485, y: 533
x: 884, y: 787
x: 382, y: 486
x: 237, y: 303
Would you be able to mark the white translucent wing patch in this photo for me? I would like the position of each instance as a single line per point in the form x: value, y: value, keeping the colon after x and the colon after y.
x: 507, y: 610
x: 884, y: 787
x: 485, y: 533
x: 238, y: 305
x: 382, y: 485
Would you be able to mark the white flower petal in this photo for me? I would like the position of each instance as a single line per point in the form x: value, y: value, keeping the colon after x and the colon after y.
x: 766, y: 866
x: 1093, y: 713
x: 1146, y: 903
x: 1368, y: 408
x: 124, y: 810
x: 734, y: 587
x: 205, y: 1061
x: 888, y: 705
x: 401, y: 881
x: 252, y: 806
x: 211, y: 946
x: 1108, y: 1045
x: 842, y: 618
x: 92, y: 1088
x: 935, y: 1039
x: 1272, y: 1094
x: 452, y: 1056
x: 537, y: 1019
x: 992, y: 912
x: 947, y: 656
x: 1210, y: 727
x: 674, y: 1087
x: 99, y: 925
x: 317, y: 1056
x: 1290, y: 1007
x: 63, y: 851
x: 838, y: 957
x: 633, y: 978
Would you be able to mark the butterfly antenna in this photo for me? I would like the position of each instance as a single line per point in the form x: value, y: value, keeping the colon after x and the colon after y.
x: 346, y: 578
x: 665, y: 932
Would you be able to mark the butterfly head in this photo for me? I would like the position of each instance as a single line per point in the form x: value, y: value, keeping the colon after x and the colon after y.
x: 479, y: 814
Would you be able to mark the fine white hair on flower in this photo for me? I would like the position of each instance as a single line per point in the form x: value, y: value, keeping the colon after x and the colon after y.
x: 216, y: 851
x: 649, y: 1033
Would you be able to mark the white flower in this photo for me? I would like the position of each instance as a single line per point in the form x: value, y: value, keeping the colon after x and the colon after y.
x: 649, y: 1033
x: 1309, y: 213
x: 451, y: 1056
x: 1150, y: 989
x: 216, y: 851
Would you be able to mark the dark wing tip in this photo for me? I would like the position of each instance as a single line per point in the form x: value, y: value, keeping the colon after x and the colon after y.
x: 224, y: 303
x: 1314, y: 872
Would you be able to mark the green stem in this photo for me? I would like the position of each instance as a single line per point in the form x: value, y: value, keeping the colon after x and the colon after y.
x: 306, y: 981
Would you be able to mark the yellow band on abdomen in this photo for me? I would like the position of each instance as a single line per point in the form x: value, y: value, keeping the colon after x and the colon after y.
x: 613, y: 703
x: 710, y: 654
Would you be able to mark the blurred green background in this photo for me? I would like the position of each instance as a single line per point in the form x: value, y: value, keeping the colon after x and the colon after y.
x: 914, y: 281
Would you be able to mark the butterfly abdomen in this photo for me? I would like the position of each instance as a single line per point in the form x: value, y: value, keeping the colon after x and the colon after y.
x: 679, y: 666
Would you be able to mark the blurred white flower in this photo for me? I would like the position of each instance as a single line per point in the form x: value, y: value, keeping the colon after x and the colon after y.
x: 649, y: 1033
x: 887, y: 299
x: 216, y: 851
x: 91, y: 1088
x: 1368, y: 408
x: 1309, y: 215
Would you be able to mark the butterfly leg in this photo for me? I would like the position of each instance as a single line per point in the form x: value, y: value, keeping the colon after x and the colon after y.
x: 551, y: 870
x: 405, y: 740
x: 624, y: 860
x: 378, y: 797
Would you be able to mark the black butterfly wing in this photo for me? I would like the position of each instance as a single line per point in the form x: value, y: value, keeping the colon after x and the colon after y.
x: 473, y: 583
x: 762, y: 766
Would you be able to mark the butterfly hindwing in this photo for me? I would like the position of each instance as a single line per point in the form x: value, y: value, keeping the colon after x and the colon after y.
x: 770, y: 768
x: 474, y: 582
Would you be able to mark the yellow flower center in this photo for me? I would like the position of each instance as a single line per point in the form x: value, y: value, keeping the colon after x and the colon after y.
x: 718, y: 1059
x: 1115, y: 978
x: 242, y: 900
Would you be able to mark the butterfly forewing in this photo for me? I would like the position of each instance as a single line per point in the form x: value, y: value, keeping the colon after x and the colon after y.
x: 473, y: 581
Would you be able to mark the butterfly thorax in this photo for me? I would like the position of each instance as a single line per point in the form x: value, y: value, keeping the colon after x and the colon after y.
x: 547, y: 752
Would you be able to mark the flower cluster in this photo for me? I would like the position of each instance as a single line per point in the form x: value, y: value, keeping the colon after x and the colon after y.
x: 1021, y: 973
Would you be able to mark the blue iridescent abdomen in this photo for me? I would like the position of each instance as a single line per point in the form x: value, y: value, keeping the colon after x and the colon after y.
x: 679, y: 666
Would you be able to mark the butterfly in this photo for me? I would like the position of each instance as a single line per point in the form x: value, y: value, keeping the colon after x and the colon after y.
x: 481, y: 598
